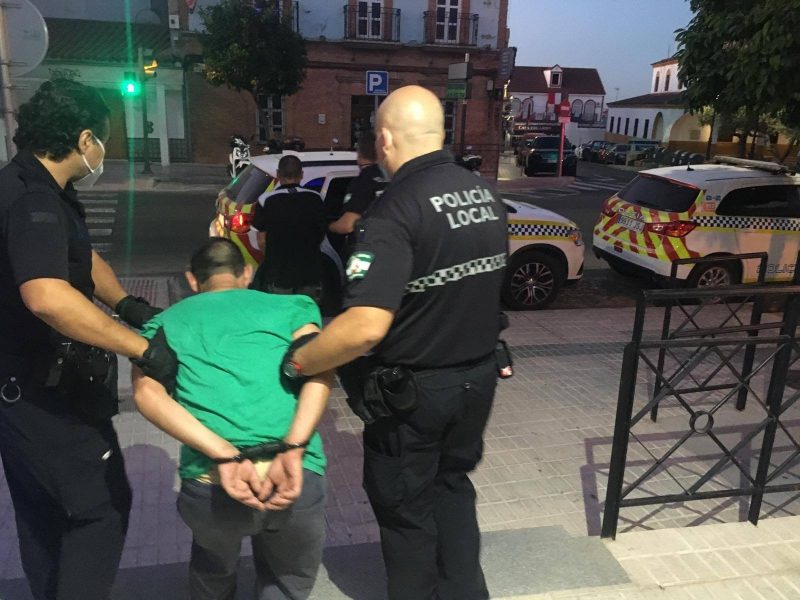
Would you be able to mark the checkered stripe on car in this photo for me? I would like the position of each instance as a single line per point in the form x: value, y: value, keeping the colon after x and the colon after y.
x: 533, y: 229
x: 456, y: 273
x: 775, y: 224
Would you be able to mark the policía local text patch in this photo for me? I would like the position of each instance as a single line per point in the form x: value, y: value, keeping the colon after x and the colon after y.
x: 358, y: 265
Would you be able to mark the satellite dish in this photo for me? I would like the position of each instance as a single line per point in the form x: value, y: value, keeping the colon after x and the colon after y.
x: 26, y: 35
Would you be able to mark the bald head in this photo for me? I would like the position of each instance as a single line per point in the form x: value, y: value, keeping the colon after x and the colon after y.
x: 410, y: 123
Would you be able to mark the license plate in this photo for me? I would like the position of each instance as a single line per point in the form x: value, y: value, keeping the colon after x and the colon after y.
x: 637, y: 226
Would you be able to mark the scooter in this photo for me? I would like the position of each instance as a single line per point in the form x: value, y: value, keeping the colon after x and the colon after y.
x: 239, y: 158
x: 471, y: 162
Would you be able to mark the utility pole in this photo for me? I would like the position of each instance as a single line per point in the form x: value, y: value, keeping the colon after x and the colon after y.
x: 146, y: 170
x: 5, y: 81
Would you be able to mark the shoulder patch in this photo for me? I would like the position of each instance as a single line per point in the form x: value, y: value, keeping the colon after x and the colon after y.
x: 358, y: 265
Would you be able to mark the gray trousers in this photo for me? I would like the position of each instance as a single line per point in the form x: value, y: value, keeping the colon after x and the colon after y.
x: 287, y: 545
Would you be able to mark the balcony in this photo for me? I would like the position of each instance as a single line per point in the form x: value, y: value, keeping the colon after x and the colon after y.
x: 369, y: 21
x: 448, y: 27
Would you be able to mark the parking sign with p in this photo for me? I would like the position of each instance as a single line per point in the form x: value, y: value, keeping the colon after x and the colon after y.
x: 377, y: 83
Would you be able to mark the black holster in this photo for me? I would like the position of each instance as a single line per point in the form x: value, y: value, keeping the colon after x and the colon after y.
x: 87, y: 376
x: 376, y: 391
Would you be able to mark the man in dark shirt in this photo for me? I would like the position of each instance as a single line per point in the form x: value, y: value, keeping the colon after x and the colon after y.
x: 424, y: 295
x: 362, y: 190
x: 60, y: 452
x: 291, y: 225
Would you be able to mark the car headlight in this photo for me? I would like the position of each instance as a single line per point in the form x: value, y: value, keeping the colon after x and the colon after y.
x: 576, y: 237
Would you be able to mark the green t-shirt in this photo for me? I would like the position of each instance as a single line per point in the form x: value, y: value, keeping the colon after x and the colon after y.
x: 229, y: 346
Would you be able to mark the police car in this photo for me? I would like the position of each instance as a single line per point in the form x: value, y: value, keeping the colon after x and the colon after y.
x: 732, y: 206
x: 545, y: 249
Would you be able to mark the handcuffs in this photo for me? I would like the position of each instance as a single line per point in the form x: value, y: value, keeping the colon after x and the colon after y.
x: 265, y: 450
x: 13, y: 396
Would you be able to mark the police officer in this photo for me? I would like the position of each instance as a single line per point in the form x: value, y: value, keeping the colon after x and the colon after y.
x: 60, y: 453
x: 362, y: 190
x: 424, y: 294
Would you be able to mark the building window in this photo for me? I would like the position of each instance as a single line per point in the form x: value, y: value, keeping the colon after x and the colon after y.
x: 666, y: 82
x: 658, y: 80
x: 274, y: 109
x: 369, y: 20
x: 555, y: 79
x: 577, y: 108
x: 611, y: 129
x: 447, y: 21
x: 627, y: 122
x: 619, y: 123
x: 449, y: 121
x: 646, y: 128
x: 588, y: 111
x: 635, y: 127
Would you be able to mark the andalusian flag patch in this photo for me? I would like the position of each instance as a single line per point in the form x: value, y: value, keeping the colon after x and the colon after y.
x: 358, y: 265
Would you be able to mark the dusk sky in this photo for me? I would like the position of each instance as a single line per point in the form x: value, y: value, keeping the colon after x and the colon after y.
x: 620, y: 38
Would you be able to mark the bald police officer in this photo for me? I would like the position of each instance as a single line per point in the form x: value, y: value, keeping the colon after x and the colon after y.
x: 424, y: 296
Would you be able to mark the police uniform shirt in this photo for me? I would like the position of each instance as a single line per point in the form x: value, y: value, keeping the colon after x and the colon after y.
x: 432, y: 249
x: 42, y: 235
x: 293, y: 220
x: 364, y: 189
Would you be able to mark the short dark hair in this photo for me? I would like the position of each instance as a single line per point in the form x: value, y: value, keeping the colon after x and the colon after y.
x: 217, y: 255
x: 50, y: 123
x: 366, y: 146
x: 290, y: 167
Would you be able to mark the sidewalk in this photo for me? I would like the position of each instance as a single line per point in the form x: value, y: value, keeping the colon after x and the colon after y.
x: 120, y: 176
x: 540, y: 491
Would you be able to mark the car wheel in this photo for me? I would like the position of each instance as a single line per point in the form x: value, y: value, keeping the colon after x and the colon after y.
x: 532, y: 281
x: 529, y: 170
x: 586, y: 155
x: 330, y: 303
x: 717, y: 274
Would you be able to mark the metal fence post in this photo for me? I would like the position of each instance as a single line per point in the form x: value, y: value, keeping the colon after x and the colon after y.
x: 750, y: 350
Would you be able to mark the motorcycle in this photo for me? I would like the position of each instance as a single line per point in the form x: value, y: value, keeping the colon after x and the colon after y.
x: 239, y: 158
x: 471, y: 162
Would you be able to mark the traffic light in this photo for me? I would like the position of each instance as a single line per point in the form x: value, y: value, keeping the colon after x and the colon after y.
x: 130, y: 85
x: 148, y: 126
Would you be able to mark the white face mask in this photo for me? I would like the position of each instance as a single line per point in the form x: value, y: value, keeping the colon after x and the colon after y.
x: 88, y: 180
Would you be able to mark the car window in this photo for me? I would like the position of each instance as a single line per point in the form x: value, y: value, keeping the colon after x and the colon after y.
x: 659, y: 193
x: 621, y: 147
x: 334, y: 197
x: 249, y: 185
x: 762, y: 201
x: 546, y: 143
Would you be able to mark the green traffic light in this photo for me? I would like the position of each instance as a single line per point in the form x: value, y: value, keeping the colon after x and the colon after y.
x: 130, y: 86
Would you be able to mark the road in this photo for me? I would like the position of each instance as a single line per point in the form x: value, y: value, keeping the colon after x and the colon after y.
x: 154, y: 234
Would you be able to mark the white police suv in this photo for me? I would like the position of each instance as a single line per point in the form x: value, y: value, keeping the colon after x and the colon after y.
x: 731, y: 206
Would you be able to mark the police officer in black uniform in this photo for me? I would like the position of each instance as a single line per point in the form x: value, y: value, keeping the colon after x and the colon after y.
x: 424, y: 294
x: 361, y: 192
x: 60, y: 453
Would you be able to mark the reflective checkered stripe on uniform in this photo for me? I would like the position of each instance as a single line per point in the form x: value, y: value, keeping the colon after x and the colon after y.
x: 456, y: 273
x: 646, y: 243
x: 766, y: 223
x: 530, y: 229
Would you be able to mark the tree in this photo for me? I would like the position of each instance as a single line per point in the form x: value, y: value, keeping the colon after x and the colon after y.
x: 249, y: 47
x: 742, y: 59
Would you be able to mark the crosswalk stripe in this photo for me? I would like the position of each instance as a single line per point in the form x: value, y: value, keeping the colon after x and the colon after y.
x: 102, y: 246
x: 98, y: 220
x: 93, y: 201
x: 101, y: 211
x: 593, y: 186
x: 99, y: 232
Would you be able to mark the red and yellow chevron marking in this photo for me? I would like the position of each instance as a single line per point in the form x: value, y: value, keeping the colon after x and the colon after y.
x: 646, y: 243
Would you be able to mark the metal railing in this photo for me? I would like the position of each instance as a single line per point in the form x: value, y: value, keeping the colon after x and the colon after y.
x: 443, y: 27
x: 714, y: 352
x: 370, y: 21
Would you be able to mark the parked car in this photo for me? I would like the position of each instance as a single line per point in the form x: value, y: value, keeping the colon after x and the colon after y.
x: 615, y: 155
x: 542, y: 156
x: 592, y: 149
x: 546, y: 250
x: 734, y: 206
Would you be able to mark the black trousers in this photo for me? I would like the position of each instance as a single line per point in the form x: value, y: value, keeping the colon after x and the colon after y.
x: 415, y: 475
x: 70, y: 494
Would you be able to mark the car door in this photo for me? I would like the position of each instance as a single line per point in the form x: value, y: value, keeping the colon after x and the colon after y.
x: 765, y: 218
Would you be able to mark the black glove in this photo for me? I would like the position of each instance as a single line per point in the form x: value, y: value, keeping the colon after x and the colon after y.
x: 290, y: 369
x: 135, y: 311
x: 159, y: 361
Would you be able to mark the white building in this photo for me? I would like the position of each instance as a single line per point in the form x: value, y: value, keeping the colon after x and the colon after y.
x: 537, y: 92
x: 660, y: 114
